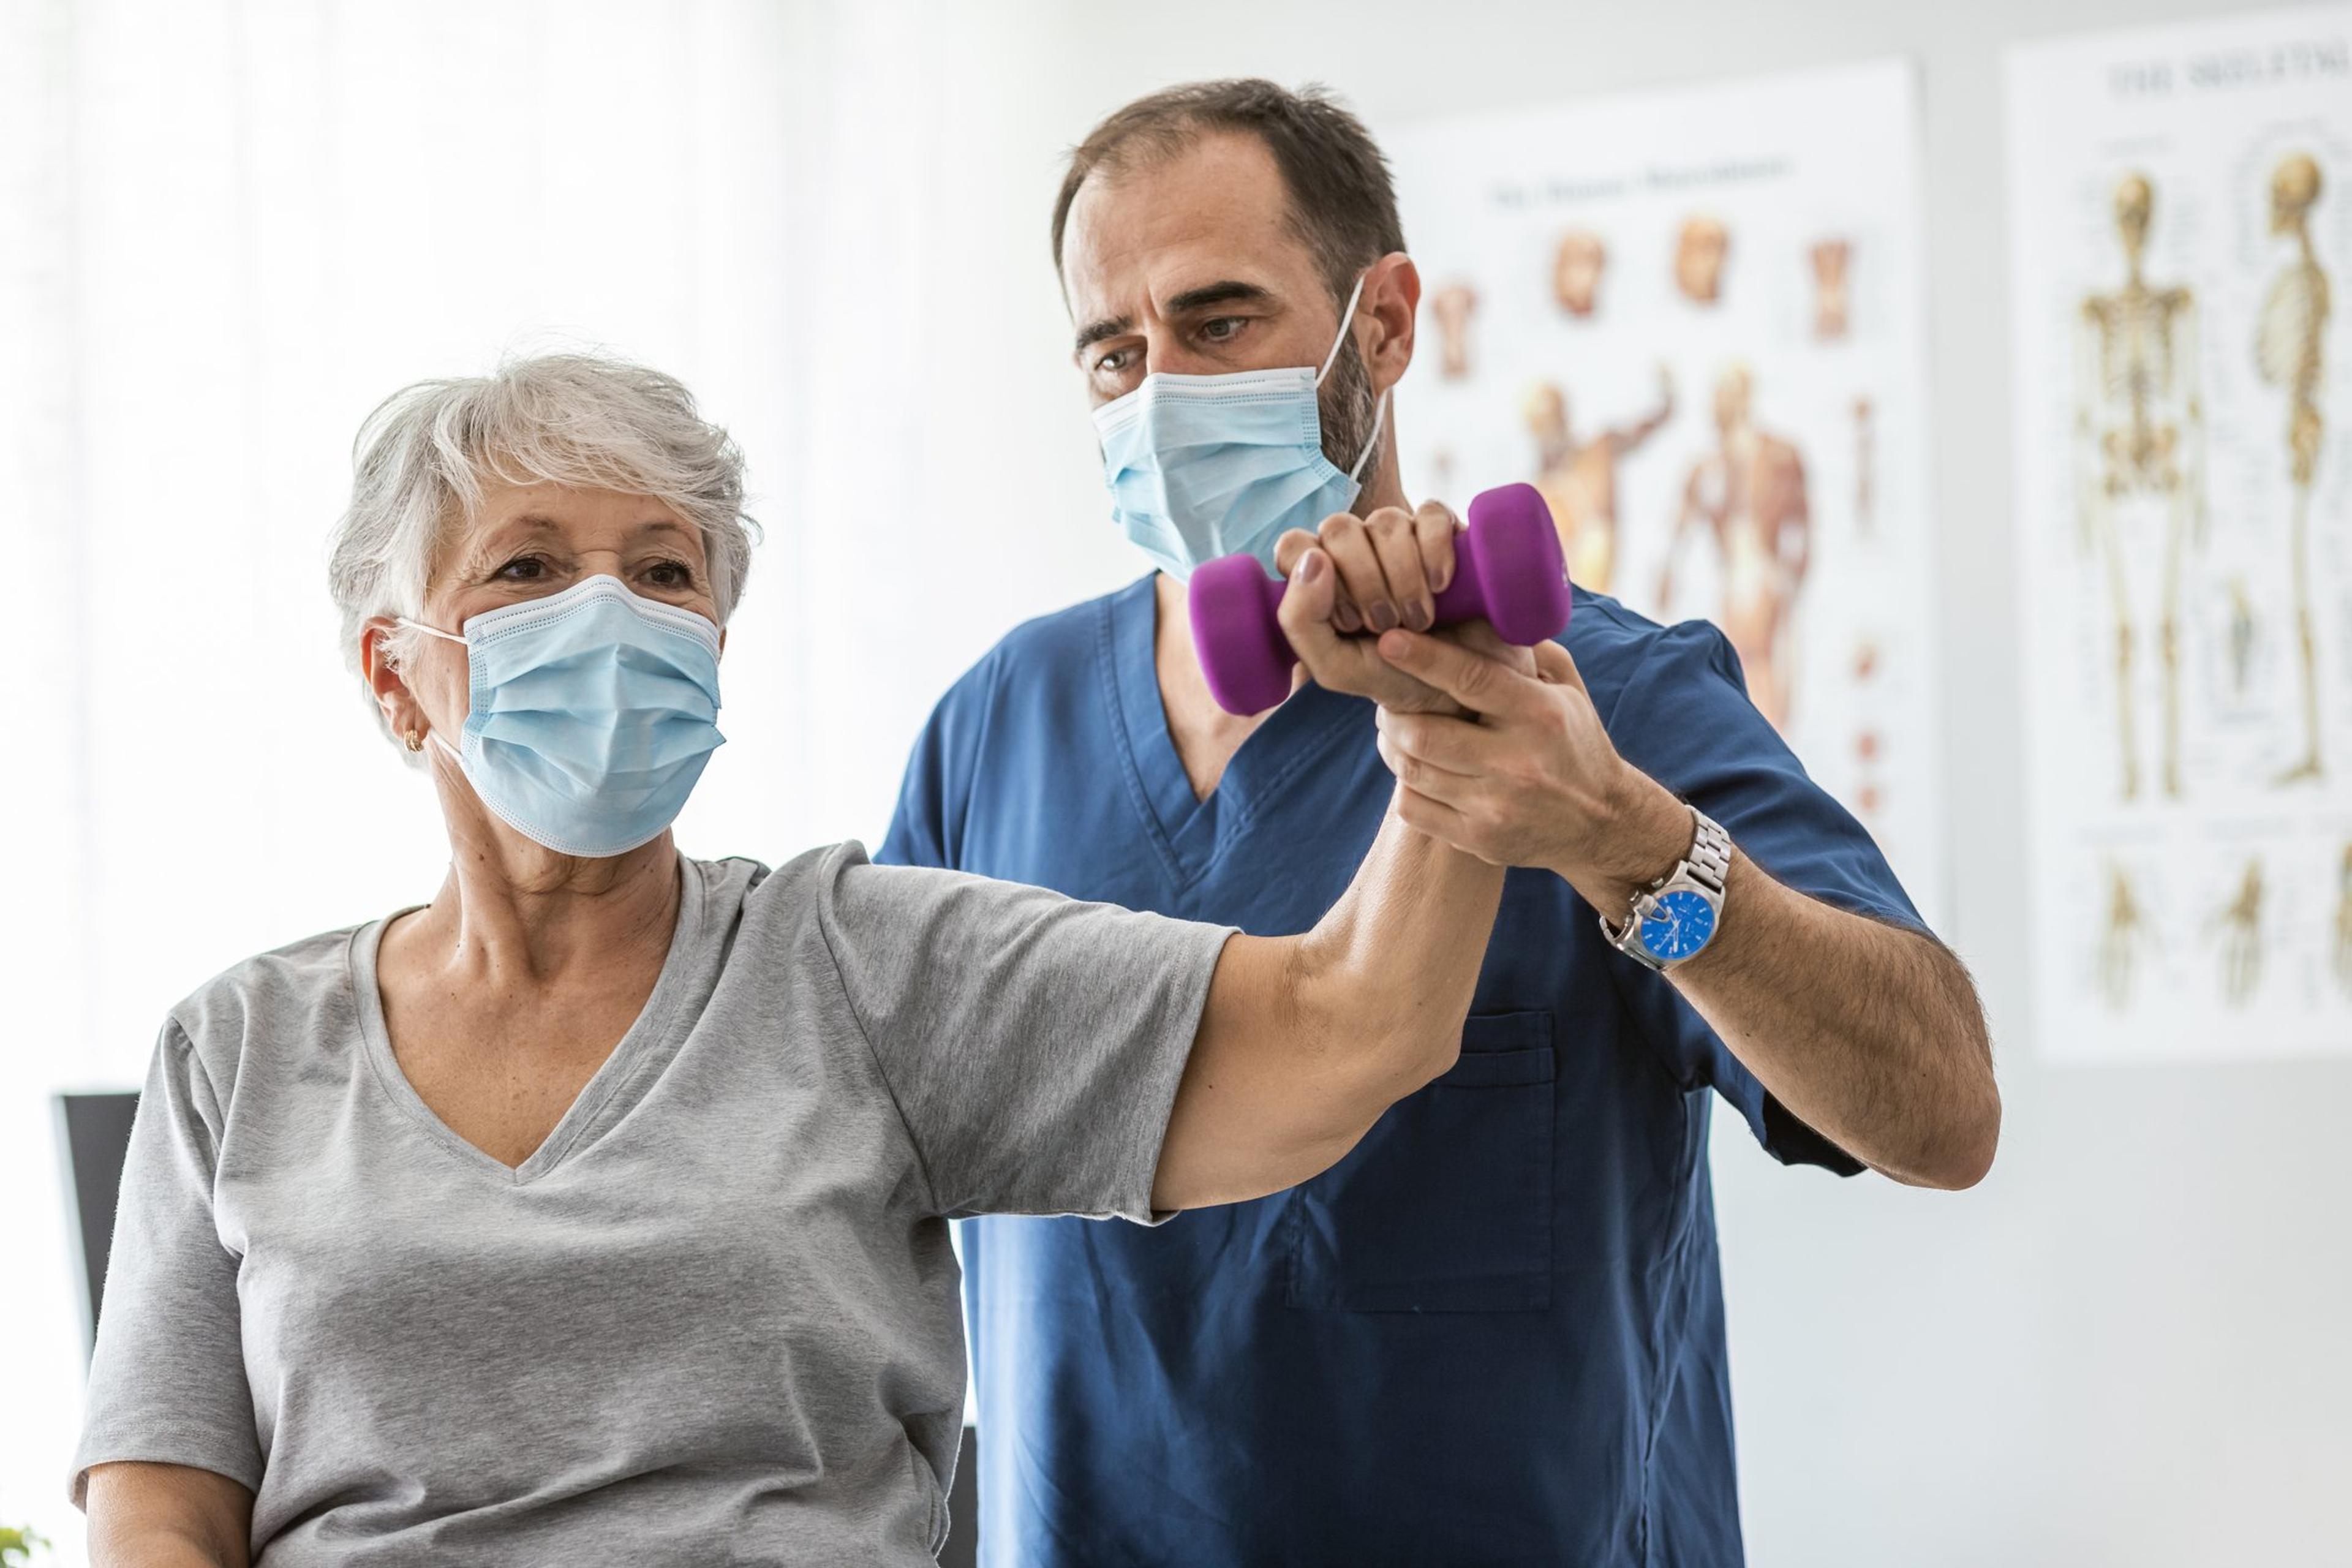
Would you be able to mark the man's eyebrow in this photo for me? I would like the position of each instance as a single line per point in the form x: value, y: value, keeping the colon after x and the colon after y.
x: 1109, y: 327
x: 1226, y: 291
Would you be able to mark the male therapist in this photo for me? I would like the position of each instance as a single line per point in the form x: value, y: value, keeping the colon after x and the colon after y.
x: 1493, y: 1333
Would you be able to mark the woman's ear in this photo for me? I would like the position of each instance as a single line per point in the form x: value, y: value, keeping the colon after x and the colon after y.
x: 1393, y: 303
x: 403, y: 715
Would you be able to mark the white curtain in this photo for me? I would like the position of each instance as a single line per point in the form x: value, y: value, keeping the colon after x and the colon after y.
x: 228, y: 229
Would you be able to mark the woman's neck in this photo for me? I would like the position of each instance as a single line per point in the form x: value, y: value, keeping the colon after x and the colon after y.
x: 514, y: 910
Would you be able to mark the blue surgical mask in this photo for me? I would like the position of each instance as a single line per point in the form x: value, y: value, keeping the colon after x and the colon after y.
x: 1206, y: 465
x: 593, y: 711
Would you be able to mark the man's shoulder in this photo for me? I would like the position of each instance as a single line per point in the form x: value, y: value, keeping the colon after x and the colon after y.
x: 1612, y: 647
x: 1060, y: 646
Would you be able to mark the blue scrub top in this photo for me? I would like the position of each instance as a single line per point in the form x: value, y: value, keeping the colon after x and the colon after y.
x: 1493, y: 1333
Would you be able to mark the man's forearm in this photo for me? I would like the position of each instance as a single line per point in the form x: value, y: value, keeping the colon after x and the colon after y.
x: 1869, y: 1035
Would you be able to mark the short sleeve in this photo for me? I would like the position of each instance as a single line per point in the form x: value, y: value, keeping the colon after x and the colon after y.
x: 1034, y: 1044
x: 167, y: 1380
x: 1683, y: 718
x: 927, y: 829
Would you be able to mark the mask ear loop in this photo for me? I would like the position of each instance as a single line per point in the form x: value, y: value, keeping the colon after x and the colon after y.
x: 433, y: 737
x: 1380, y: 417
x: 1379, y: 409
x: 1346, y: 316
x: 429, y: 631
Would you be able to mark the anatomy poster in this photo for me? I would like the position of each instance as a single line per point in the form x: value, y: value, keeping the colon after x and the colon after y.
x: 1694, y: 319
x: 2181, y: 224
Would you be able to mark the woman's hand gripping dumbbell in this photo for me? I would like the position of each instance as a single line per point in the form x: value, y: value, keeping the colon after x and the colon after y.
x: 1507, y: 571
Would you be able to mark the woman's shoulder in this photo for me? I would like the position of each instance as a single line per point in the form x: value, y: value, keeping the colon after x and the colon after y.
x: 289, y: 990
x: 818, y: 892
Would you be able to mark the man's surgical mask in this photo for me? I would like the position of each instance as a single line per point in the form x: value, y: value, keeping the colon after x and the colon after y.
x: 594, y: 712
x: 1206, y: 465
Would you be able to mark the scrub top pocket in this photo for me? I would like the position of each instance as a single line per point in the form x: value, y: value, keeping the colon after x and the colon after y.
x: 1446, y: 1205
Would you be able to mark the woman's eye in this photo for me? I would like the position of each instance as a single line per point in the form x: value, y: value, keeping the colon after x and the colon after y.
x: 524, y: 569
x: 670, y: 574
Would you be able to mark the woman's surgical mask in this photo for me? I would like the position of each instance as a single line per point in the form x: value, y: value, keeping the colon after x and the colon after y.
x: 594, y: 712
x: 1205, y: 465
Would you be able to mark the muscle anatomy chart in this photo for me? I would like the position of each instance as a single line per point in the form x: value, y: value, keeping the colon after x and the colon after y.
x: 2178, y: 222
x: 1700, y: 333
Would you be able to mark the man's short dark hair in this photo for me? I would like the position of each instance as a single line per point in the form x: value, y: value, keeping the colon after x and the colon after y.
x: 1342, y: 203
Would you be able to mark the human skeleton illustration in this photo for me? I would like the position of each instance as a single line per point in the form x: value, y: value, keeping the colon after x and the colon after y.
x: 1453, y: 305
x: 1751, y: 492
x: 2119, y: 941
x: 2139, y: 433
x: 2241, y: 637
x: 2239, y: 923
x: 1579, y: 478
x: 2288, y: 337
x: 2344, y: 922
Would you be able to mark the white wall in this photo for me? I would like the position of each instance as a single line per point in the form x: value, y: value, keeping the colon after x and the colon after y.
x: 2125, y: 1348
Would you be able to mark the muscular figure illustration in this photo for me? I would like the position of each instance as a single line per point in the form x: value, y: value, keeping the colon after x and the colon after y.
x: 2139, y: 433
x: 1829, y: 257
x: 2120, y: 940
x: 1576, y: 270
x: 1700, y: 250
x: 1579, y: 478
x: 2287, y: 340
x: 1751, y: 492
x: 1453, y: 306
x: 1866, y: 498
x: 2239, y: 923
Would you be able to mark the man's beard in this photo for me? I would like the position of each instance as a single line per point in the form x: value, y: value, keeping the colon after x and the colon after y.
x: 1345, y: 406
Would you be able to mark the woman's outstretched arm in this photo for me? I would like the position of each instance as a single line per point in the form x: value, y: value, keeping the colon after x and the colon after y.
x: 1306, y: 1040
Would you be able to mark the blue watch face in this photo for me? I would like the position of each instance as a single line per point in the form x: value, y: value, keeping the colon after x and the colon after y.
x: 1681, y: 926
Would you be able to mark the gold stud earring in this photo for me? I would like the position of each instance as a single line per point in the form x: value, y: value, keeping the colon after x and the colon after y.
x: 415, y: 742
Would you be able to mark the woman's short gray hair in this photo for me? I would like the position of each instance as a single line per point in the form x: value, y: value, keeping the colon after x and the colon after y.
x: 422, y: 459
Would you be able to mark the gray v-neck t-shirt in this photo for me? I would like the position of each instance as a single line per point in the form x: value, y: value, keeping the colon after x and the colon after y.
x: 713, y: 1318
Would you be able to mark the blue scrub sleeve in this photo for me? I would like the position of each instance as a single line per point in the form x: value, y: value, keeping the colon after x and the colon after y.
x: 927, y: 829
x: 1683, y: 718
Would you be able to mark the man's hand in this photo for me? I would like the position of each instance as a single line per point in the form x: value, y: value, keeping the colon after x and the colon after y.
x: 1356, y: 572
x: 1532, y: 779
x: 1392, y: 564
x: 1869, y: 1034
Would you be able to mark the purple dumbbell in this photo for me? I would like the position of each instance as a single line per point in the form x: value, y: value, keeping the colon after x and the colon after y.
x: 1507, y: 571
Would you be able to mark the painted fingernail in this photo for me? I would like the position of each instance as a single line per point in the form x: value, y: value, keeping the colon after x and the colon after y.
x: 1383, y: 615
x: 1345, y: 618
x: 1418, y: 615
x: 1311, y: 570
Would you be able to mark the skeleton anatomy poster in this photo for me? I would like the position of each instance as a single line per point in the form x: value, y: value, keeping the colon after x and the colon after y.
x: 2180, y: 224
x: 1694, y: 319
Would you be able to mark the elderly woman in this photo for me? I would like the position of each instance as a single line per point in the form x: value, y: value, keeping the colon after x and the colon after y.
x: 595, y: 1211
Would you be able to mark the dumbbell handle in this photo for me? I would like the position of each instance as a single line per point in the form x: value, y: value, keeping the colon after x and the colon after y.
x: 1507, y: 571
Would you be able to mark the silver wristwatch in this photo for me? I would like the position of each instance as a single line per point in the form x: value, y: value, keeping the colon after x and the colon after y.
x: 1677, y: 914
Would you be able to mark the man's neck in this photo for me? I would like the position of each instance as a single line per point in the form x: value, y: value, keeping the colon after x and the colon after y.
x: 1205, y: 736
